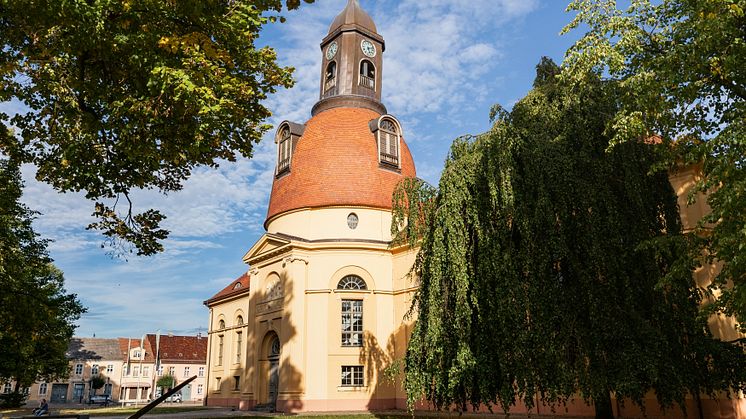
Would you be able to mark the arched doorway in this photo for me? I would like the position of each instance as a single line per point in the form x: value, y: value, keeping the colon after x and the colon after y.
x: 270, y: 380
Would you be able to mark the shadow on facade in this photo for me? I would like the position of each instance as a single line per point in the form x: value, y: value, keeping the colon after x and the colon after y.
x: 264, y: 378
x: 378, y: 361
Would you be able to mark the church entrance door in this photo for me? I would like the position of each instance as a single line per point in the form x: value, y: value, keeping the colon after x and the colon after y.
x: 272, y: 354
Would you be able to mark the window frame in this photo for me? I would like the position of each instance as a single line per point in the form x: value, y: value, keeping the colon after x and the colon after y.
x: 330, y: 83
x: 43, y: 389
x: 284, y: 148
x: 239, y: 342
x: 352, y: 317
x: 368, y: 80
x: 388, y: 142
x: 220, y: 350
x: 355, y: 375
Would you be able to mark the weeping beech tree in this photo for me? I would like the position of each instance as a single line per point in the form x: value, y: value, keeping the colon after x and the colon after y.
x: 551, y: 266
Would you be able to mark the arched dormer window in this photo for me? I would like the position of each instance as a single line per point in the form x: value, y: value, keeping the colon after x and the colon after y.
x: 367, y: 75
x: 330, y: 79
x: 352, y: 282
x: 284, y: 149
x: 388, y: 135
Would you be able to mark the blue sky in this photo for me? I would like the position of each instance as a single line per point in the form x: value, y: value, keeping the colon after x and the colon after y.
x: 446, y: 63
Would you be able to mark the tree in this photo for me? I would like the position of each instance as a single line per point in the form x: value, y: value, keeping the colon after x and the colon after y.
x: 97, y: 382
x: 128, y: 95
x: 551, y: 267
x: 682, y: 65
x: 166, y: 382
x: 36, y: 314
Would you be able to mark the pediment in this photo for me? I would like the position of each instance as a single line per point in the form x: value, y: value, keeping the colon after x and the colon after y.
x: 268, y: 245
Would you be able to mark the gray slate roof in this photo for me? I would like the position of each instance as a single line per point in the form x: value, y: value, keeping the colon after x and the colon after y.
x: 93, y: 348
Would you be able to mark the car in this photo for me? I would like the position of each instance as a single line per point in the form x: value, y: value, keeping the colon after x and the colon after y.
x: 174, y: 398
x: 102, y: 399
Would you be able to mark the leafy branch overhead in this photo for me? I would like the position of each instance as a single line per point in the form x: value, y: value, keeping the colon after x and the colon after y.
x: 681, y: 64
x: 135, y: 94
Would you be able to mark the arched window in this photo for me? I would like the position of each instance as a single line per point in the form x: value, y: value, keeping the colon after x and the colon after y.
x: 330, y: 79
x: 388, y: 142
x: 352, y: 282
x: 239, y: 320
x: 284, y: 150
x: 221, y: 324
x: 238, y: 286
x: 367, y: 75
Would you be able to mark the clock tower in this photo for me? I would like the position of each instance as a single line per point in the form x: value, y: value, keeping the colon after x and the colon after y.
x: 352, y: 62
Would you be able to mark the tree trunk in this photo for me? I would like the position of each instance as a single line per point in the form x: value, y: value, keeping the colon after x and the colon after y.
x: 698, y: 399
x: 602, y: 403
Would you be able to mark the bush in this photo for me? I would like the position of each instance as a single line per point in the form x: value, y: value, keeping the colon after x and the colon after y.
x: 9, y: 400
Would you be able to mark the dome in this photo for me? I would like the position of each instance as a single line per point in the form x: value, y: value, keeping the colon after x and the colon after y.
x: 335, y: 163
x: 353, y: 14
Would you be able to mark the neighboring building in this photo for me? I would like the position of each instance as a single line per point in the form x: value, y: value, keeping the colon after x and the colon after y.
x: 88, y: 357
x: 128, y: 367
x: 318, y: 317
x: 181, y: 357
x: 138, y: 366
x: 320, y: 314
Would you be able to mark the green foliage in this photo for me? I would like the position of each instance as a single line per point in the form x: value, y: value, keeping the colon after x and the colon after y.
x: 36, y: 314
x: 553, y: 267
x: 167, y: 381
x: 135, y: 94
x: 13, y: 399
x: 681, y: 63
x: 98, y: 381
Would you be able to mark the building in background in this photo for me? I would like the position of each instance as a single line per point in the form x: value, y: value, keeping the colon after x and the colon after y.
x: 88, y: 357
x: 181, y: 357
x: 128, y: 367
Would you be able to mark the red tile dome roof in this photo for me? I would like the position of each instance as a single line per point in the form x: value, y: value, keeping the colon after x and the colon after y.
x: 335, y: 163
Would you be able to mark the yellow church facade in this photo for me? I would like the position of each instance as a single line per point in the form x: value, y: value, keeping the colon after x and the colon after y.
x: 320, y: 314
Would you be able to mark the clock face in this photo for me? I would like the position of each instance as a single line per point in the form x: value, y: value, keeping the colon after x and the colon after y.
x: 331, y: 51
x: 368, y: 48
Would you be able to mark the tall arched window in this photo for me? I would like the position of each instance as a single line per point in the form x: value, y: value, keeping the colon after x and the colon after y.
x: 239, y: 320
x: 330, y: 79
x: 352, y: 312
x: 388, y: 142
x: 221, y: 324
x: 284, y: 150
x: 367, y: 75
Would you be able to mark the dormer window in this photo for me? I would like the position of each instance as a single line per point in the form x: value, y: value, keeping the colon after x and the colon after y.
x: 388, y: 134
x: 330, y: 79
x: 367, y: 75
x: 284, y: 149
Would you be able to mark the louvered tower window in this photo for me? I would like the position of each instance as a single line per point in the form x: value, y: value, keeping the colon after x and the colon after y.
x: 388, y: 142
x: 284, y: 150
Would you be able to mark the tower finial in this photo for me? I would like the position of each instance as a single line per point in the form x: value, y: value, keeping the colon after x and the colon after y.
x: 353, y: 16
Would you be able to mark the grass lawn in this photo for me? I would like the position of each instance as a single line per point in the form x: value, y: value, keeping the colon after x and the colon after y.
x: 103, y: 411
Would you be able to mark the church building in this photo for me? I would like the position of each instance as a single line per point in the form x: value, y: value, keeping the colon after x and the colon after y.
x: 320, y: 313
